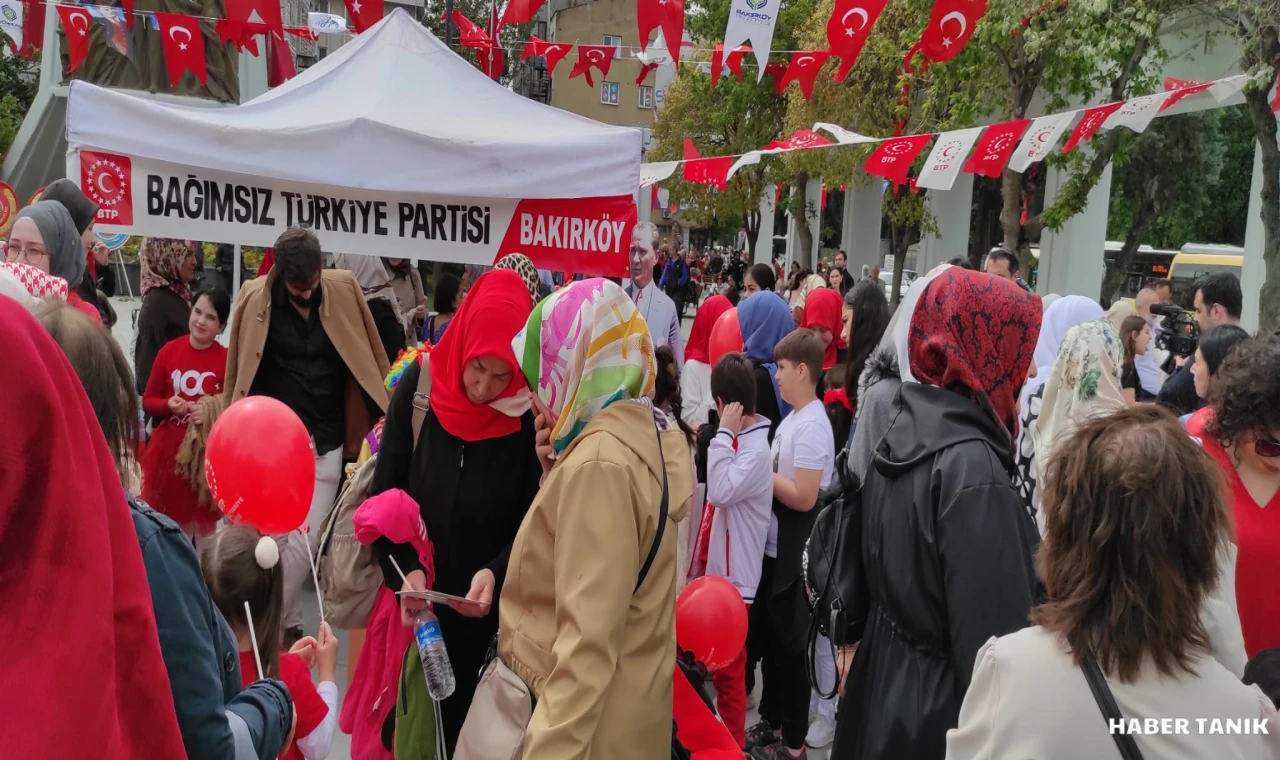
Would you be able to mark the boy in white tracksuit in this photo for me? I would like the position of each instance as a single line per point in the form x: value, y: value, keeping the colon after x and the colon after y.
x: 740, y: 486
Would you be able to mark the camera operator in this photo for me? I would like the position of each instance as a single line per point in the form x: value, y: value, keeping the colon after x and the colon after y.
x: 1217, y: 302
x: 1149, y: 364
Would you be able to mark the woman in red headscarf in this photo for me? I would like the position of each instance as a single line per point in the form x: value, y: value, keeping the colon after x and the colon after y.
x: 85, y: 676
x: 947, y: 545
x: 695, y: 376
x: 473, y: 471
x: 823, y: 313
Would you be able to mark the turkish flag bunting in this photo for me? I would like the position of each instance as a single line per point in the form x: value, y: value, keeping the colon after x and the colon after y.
x: 76, y: 23
x: 892, y: 158
x: 491, y: 58
x: 363, y: 13
x: 848, y: 28
x: 733, y: 61
x: 242, y: 33
x: 824, y: 196
x: 779, y: 73
x: 280, y: 66
x: 705, y: 171
x: 1089, y: 124
x: 994, y: 148
x: 520, y: 11
x: 801, y: 139
x: 951, y: 24
x: 804, y: 68
x: 1181, y: 89
x: 268, y: 12
x: 599, y: 56
x: 553, y: 51
x: 644, y: 72
x: 469, y: 34
x: 302, y: 32
x: 667, y: 14
x: 717, y: 63
x: 183, y: 47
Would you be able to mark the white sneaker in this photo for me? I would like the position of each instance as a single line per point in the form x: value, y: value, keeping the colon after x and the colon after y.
x: 821, y: 733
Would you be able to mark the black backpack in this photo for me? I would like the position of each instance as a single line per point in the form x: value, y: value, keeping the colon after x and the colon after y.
x: 835, y: 584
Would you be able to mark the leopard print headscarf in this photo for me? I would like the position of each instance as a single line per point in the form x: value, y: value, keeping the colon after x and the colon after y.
x: 521, y: 265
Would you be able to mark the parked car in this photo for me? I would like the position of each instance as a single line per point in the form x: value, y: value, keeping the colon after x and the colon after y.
x: 908, y: 277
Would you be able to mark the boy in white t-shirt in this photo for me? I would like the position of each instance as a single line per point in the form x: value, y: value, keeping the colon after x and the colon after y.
x: 740, y: 490
x: 804, y: 464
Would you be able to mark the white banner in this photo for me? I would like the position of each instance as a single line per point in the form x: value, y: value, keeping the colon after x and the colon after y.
x: 844, y: 136
x: 1137, y: 114
x: 752, y: 21
x: 943, y: 165
x: 653, y: 173
x: 138, y: 196
x: 11, y: 21
x: 326, y: 23
x: 1040, y: 140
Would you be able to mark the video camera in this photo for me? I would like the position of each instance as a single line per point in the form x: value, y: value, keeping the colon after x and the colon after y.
x: 1179, y: 332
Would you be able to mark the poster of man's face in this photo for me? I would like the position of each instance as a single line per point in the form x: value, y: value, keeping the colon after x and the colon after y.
x: 643, y: 257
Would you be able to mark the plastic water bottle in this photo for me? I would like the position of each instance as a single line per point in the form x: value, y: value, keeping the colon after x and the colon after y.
x: 435, y: 660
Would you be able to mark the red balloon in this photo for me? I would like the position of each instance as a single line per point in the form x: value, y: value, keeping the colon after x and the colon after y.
x: 711, y: 621
x: 260, y: 465
x: 726, y: 336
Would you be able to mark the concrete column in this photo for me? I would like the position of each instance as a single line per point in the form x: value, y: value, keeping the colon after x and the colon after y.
x: 812, y: 215
x: 644, y: 204
x: 763, y: 253
x: 1254, y: 272
x: 1071, y: 260
x: 952, y: 210
x: 861, y: 223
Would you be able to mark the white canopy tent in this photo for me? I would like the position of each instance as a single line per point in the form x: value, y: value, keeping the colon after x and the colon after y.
x: 393, y: 146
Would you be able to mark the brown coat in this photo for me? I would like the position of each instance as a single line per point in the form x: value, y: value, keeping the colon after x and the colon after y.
x: 346, y: 320
x: 599, y: 657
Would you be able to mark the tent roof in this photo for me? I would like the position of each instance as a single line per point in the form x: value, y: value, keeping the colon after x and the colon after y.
x: 393, y: 110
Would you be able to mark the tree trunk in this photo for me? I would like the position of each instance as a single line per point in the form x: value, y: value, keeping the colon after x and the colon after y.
x: 803, y: 234
x: 899, y: 242
x: 751, y: 221
x: 1147, y: 212
x: 1011, y: 209
x: 1264, y: 127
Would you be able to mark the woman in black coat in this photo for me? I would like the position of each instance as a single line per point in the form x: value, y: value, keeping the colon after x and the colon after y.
x: 473, y: 472
x: 947, y: 545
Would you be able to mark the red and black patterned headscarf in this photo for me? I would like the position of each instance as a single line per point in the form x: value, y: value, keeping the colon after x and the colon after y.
x: 974, y: 333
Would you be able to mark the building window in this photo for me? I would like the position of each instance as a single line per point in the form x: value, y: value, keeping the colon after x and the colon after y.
x: 609, y: 93
x: 646, y: 96
x: 616, y: 42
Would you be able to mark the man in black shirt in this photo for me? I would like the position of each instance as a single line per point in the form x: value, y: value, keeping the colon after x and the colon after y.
x: 1218, y: 301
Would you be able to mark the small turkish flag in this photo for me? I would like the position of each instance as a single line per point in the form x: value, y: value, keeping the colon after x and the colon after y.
x: 848, y: 28
x: 280, y: 65
x: 733, y: 61
x: 1089, y: 124
x: 599, y: 56
x: 705, y: 171
x: 469, y: 33
x: 76, y: 23
x: 951, y: 24
x: 717, y: 63
x: 267, y: 11
x: 520, y: 11
x: 892, y: 159
x: 363, y: 13
x: 1181, y: 89
x: 553, y: 51
x: 183, y: 47
x: 242, y: 33
x: 994, y: 148
x: 779, y: 72
x: 804, y: 68
x: 644, y: 72
x: 667, y: 14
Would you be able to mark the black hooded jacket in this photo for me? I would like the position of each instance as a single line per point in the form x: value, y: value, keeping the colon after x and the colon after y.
x: 947, y: 548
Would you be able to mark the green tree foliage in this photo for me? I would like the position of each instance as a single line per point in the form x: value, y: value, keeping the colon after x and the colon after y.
x: 17, y: 90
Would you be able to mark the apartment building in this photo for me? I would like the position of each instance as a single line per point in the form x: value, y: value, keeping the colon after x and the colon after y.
x: 617, y: 99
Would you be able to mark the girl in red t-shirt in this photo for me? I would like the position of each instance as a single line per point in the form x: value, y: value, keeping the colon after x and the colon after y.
x: 240, y: 565
x: 185, y: 369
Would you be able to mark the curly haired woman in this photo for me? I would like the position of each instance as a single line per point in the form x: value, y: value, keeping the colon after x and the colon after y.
x: 1241, y: 430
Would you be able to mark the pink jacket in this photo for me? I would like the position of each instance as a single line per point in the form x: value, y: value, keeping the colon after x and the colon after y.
x: 372, y: 695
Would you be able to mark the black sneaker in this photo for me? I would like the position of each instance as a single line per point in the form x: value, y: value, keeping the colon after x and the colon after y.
x: 778, y: 751
x: 761, y: 735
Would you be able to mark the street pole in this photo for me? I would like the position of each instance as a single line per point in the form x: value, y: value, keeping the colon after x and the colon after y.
x: 448, y: 24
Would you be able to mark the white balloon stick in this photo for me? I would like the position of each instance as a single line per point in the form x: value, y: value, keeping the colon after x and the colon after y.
x: 253, y: 638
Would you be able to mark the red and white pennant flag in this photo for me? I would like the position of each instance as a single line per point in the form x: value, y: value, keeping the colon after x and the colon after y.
x: 1040, y: 140
x: 995, y: 147
x: 945, y: 160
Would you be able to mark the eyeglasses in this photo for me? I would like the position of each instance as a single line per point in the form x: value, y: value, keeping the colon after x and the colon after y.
x: 1267, y: 448
x: 32, y: 256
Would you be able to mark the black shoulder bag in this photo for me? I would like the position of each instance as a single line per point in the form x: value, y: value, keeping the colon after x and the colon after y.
x: 1107, y: 703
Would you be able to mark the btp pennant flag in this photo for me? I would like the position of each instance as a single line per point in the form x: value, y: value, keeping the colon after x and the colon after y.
x: 705, y: 171
x: 892, y: 158
x: 995, y: 147
x: 1089, y: 125
x: 1039, y: 140
x: 183, y: 47
x: 943, y: 164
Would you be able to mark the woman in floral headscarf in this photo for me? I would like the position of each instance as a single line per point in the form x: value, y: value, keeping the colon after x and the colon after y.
x: 587, y: 614
x: 947, y: 546
x: 167, y: 266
